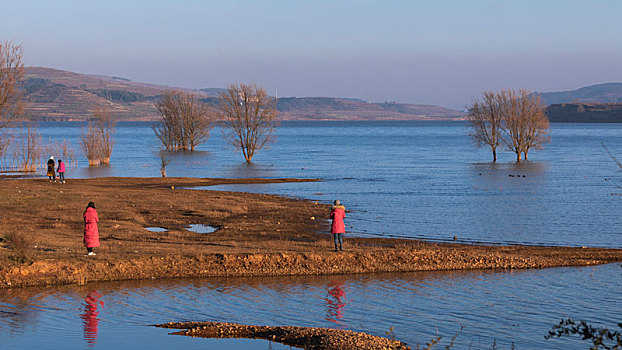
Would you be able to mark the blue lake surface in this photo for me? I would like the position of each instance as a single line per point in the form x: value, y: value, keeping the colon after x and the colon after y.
x: 501, y: 307
x: 399, y: 179
x: 409, y: 179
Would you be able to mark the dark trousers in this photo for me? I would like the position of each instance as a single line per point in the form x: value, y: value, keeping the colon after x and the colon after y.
x: 338, y: 240
x: 61, y: 176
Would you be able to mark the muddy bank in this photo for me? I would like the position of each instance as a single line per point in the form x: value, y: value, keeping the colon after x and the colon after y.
x: 304, y: 337
x: 41, y: 236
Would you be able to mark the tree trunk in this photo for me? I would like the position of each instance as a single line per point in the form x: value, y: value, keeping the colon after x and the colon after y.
x: 518, y: 157
x: 494, y: 155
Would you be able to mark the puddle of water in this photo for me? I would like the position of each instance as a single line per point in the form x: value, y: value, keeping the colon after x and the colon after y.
x: 156, y: 229
x: 200, y: 228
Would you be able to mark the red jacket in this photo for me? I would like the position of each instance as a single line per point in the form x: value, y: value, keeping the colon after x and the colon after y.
x: 61, y: 167
x: 337, y: 214
x: 91, y: 233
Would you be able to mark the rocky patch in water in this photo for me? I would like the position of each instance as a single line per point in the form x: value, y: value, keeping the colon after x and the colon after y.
x: 304, y: 337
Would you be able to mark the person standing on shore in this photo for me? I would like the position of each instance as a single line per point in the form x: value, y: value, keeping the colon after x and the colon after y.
x: 338, y: 228
x: 51, y: 174
x: 91, y: 233
x: 61, y: 171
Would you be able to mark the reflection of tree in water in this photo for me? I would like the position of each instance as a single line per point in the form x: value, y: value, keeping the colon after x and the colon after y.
x: 335, y: 302
x: 89, y: 317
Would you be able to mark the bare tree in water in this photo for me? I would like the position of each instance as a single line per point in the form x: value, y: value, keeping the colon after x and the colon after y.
x: 11, y: 74
x: 104, y: 131
x: 90, y: 145
x: 525, y: 125
x: 164, y: 160
x: 186, y: 121
x: 485, y: 119
x: 97, y: 140
x: 514, y: 118
x: 249, y: 117
x: 30, y: 148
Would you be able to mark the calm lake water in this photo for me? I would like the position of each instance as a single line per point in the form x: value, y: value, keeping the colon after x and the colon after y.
x: 492, y: 306
x: 410, y: 179
x: 401, y: 179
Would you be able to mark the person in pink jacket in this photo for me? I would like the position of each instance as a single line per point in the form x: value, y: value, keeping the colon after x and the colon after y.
x: 338, y: 228
x: 91, y: 233
x: 61, y: 171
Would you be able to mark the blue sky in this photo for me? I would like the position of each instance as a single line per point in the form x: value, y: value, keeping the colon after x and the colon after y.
x: 430, y: 52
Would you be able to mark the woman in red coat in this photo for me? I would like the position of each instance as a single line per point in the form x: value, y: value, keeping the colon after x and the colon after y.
x: 91, y: 233
x: 337, y: 214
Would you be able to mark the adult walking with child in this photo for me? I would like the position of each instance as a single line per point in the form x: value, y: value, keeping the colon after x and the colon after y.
x: 51, y: 174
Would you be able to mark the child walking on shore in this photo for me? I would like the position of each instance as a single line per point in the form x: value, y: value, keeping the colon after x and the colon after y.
x: 61, y: 171
x: 338, y: 228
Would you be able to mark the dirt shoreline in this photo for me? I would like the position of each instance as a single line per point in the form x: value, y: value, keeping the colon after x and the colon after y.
x: 258, y: 235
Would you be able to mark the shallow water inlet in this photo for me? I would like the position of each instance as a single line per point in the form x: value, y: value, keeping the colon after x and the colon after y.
x: 201, y: 228
x: 156, y: 229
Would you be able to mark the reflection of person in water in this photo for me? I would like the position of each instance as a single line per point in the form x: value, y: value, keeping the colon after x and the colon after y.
x: 91, y: 321
x: 335, y: 301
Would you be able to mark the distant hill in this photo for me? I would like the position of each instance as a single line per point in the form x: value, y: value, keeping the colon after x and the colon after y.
x: 585, y: 112
x: 60, y: 95
x: 329, y: 108
x: 599, y: 93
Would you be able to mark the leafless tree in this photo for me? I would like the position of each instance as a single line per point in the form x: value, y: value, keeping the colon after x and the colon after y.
x: 164, y: 160
x: 525, y: 124
x: 105, y: 128
x: 89, y: 144
x: 11, y: 73
x: 30, y: 148
x: 249, y: 117
x: 186, y: 121
x: 515, y: 118
x: 485, y: 119
x: 62, y: 149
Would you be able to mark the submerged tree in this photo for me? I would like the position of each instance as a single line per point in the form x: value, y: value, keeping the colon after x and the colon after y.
x: 485, y: 119
x: 525, y: 124
x: 97, y: 140
x: 186, y: 121
x: 30, y: 148
x: 104, y: 130
x: 164, y: 160
x: 514, y: 118
x: 11, y: 74
x: 249, y: 117
x: 89, y: 144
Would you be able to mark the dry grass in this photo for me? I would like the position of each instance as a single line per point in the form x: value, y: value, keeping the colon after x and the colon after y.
x: 20, y: 244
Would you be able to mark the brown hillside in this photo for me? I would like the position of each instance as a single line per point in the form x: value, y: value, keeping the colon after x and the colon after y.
x: 60, y: 95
